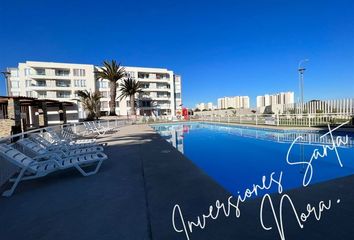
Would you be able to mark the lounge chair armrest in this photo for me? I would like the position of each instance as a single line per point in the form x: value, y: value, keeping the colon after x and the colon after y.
x: 47, y: 156
x: 46, y: 162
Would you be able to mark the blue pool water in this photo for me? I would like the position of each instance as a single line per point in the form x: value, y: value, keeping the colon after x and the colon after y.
x: 238, y: 157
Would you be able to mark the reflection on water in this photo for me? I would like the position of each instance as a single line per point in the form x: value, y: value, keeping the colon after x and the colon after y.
x: 237, y: 157
x: 175, y: 133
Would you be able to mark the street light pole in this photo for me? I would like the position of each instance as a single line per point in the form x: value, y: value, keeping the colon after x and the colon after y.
x: 6, y: 75
x: 301, y: 70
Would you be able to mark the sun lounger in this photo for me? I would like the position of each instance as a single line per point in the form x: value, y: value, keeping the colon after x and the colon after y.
x: 31, y: 168
x: 48, y: 142
x: 91, y: 128
x: 37, y: 149
x: 59, y: 137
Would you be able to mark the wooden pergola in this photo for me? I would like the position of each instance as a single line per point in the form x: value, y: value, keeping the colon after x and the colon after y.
x: 30, y: 113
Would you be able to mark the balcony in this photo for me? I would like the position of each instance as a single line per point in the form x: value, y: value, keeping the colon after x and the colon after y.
x: 62, y: 73
x: 41, y: 73
x: 63, y: 84
x: 42, y: 96
x: 151, y: 79
x: 164, y: 106
x: 163, y: 96
x: 63, y: 94
x: 39, y: 85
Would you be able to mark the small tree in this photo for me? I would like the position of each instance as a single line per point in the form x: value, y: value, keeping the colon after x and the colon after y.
x: 91, y: 102
x: 113, y: 72
x: 128, y: 89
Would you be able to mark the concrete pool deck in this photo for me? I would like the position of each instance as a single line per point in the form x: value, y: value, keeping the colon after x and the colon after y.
x: 133, y: 195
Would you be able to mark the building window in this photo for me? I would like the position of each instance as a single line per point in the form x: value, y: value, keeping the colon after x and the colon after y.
x: 41, y: 94
x: 80, y: 83
x: 63, y: 94
x: 15, y: 84
x: 79, y: 72
x: 143, y: 75
x: 178, y: 95
x: 104, y: 94
x: 40, y: 71
x: 146, y: 103
x: 130, y: 74
x: 14, y: 73
x: 41, y: 83
x: 27, y: 71
x: 62, y: 72
x: 29, y: 93
x: 162, y: 75
x: 63, y: 83
x: 145, y: 85
x: 104, y: 105
x: 117, y: 104
x: 28, y: 83
x: 103, y: 84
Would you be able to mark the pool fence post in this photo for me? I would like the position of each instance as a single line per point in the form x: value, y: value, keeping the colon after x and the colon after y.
x: 277, y: 119
x: 308, y: 116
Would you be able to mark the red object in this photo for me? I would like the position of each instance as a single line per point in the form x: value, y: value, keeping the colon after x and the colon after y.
x: 185, y: 113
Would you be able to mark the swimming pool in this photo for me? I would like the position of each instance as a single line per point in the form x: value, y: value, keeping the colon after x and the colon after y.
x: 237, y: 157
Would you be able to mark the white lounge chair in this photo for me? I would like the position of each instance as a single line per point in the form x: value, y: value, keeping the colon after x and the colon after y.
x: 60, y: 137
x: 101, y: 130
x: 36, y: 149
x: 47, y: 141
x: 91, y: 128
x: 31, y: 168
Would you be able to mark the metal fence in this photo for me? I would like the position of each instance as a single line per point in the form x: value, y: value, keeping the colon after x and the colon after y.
x: 301, y: 120
x: 337, y: 106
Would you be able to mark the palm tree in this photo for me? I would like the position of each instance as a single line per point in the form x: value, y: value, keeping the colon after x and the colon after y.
x: 128, y: 89
x: 113, y: 72
x: 91, y: 103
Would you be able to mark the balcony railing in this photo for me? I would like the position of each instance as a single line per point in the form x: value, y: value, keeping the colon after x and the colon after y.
x: 39, y: 73
x: 163, y: 96
x: 63, y: 85
x: 39, y: 85
x: 62, y: 73
x: 63, y: 95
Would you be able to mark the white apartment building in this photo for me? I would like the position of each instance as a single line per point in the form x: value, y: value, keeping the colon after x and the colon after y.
x: 237, y: 102
x: 274, y: 99
x: 161, y: 93
x: 205, y: 106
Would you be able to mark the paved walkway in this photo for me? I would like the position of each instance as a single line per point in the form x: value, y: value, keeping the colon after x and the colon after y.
x: 133, y: 195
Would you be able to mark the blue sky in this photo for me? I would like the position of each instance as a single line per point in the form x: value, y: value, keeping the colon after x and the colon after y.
x: 221, y: 48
